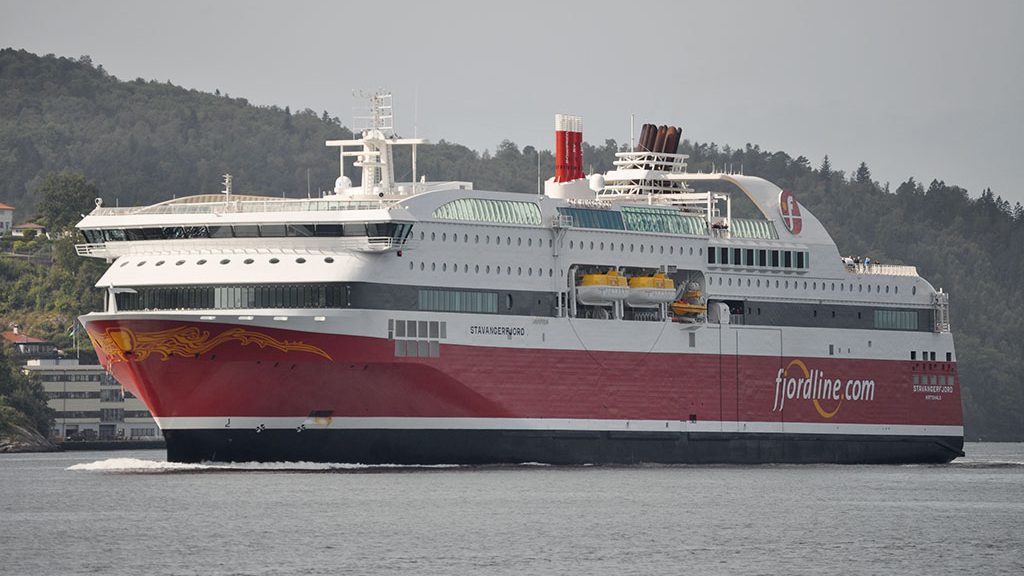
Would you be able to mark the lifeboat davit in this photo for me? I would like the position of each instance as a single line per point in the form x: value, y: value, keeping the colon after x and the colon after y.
x: 650, y: 291
x: 602, y: 289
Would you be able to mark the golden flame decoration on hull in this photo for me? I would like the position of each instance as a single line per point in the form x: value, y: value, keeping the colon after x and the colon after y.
x: 124, y: 344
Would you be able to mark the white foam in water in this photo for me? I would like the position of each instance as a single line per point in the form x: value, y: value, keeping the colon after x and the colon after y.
x: 136, y: 465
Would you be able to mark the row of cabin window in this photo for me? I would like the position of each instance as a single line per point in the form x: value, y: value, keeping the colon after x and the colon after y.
x: 486, y: 239
x: 395, y: 230
x: 759, y: 257
x: 756, y: 282
x: 477, y: 269
x: 234, y: 297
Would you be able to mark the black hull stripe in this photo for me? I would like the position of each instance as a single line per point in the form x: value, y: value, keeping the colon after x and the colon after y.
x: 553, y: 447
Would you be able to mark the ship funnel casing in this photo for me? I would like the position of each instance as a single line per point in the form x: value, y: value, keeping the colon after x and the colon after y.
x: 568, y: 148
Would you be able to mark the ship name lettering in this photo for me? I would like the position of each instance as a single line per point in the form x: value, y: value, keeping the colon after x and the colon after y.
x: 498, y: 330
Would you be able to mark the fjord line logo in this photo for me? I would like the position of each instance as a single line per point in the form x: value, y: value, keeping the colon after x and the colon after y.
x: 790, y: 210
x: 814, y: 386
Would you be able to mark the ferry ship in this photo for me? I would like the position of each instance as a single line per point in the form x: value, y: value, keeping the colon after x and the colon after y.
x: 625, y: 317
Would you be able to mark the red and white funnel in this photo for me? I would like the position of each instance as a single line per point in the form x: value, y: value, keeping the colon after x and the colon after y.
x: 568, y: 148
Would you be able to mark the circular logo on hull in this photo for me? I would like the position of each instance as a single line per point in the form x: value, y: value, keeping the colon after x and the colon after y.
x: 790, y: 210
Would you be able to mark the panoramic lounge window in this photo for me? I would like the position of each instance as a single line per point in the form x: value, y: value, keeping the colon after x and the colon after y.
x: 395, y: 230
x: 322, y: 295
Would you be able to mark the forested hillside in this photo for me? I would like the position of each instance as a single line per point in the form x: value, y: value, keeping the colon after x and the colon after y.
x: 142, y: 141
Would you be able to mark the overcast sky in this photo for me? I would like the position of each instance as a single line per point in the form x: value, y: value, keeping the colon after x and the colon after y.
x: 929, y: 89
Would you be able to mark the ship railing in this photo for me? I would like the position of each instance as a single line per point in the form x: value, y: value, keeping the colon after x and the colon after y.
x: 332, y: 245
x: 882, y: 269
x: 248, y: 206
x: 218, y: 205
x: 644, y: 160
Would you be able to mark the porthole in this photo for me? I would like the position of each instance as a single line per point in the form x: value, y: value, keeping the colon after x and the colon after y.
x: 497, y: 270
x: 497, y: 240
x: 550, y: 242
x: 661, y: 249
x: 274, y: 260
x: 805, y: 284
x: 519, y: 241
x: 508, y: 270
x: 248, y: 261
x: 730, y: 281
x: 833, y: 286
x: 444, y: 266
x: 465, y: 238
x: 476, y: 268
x: 455, y: 238
x: 444, y: 237
x: 896, y: 289
x: 508, y: 301
x: 529, y: 242
x: 841, y: 286
x: 913, y: 290
x: 602, y: 245
x: 571, y: 244
x: 776, y: 283
x: 300, y: 260
x: 787, y: 283
x: 433, y: 266
x: 591, y: 244
x: 179, y: 262
x: 860, y: 287
x: 529, y: 271
x: 488, y: 269
x: 758, y: 282
x: 433, y: 236
x: 423, y: 266
x: 411, y: 265
x: 622, y: 246
x: 160, y: 263
x: 329, y: 260
x: 488, y: 239
x: 123, y: 264
x: 423, y: 235
x: 748, y: 282
x: 477, y: 239
x: 671, y: 249
x: 225, y: 261
x: 611, y: 246
x: 814, y: 286
x: 650, y: 248
x: 700, y: 251
x: 201, y: 262
x: 465, y: 268
x: 641, y: 248
x: 508, y: 240
x: 551, y: 272
x: 141, y: 263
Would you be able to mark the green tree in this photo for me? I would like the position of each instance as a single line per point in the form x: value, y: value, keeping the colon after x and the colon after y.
x: 22, y: 394
x: 863, y: 174
x: 63, y: 198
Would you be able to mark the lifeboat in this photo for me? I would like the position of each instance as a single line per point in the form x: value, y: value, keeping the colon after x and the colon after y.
x: 680, y: 308
x: 650, y: 291
x: 602, y: 289
x: 692, y: 303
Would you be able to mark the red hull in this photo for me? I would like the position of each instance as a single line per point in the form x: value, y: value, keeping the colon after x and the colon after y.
x: 363, y: 378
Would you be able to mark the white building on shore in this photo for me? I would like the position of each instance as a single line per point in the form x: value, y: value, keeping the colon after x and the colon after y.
x: 89, y: 403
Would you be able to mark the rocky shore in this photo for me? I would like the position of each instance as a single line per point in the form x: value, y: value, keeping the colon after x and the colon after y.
x: 18, y: 438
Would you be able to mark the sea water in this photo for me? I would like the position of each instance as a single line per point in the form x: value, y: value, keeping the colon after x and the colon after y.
x: 134, y: 513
